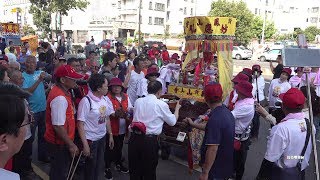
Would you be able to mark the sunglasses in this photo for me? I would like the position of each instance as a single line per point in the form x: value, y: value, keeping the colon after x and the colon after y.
x: 30, y: 119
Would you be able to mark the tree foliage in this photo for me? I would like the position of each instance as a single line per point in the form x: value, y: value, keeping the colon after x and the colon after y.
x: 270, y: 29
x: 311, y: 33
x: 28, y: 30
x: 42, y: 10
x: 240, y: 11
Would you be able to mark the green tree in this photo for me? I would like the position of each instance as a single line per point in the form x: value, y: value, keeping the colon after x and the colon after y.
x: 43, y: 9
x: 28, y: 30
x: 240, y: 11
x: 257, y: 26
x: 311, y: 33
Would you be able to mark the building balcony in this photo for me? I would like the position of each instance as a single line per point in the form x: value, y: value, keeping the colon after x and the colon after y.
x: 120, y: 24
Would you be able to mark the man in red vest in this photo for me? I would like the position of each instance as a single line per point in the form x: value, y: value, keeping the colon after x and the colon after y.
x: 60, y: 122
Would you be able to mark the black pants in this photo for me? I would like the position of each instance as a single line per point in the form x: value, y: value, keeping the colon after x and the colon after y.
x: 255, y: 125
x: 115, y: 154
x: 40, y: 123
x: 22, y: 160
x: 60, y: 161
x: 143, y: 157
x: 94, y: 164
x: 239, y: 159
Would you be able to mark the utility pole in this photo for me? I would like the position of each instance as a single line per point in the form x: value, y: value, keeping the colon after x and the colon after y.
x: 264, y: 25
x: 139, y: 27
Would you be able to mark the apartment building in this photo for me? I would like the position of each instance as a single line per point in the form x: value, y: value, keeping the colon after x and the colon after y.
x: 16, y: 11
x: 313, y: 15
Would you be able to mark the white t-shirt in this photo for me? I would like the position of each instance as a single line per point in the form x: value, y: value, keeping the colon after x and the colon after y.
x: 58, y: 107
x: 243, y: 113
x: 122, y: 122
x: 276, y: 88
x: 153, y: 113
x: 142, y: 87
x: 95, y: 119
x: 261, y: 85
x: 285, y: 141
x: 8, y: 175
x: 11, y: 57
x: 132, y: 85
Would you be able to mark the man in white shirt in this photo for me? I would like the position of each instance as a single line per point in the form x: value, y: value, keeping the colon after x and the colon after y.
x: 277, y: 87
x: 143, y: 144
x: 135, y: 76
x: 287, y: 139
x: 14, y: 119
x: 243, y: 113
x: 258, y: 85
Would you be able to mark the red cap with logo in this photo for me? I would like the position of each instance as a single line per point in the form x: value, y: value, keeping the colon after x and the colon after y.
x: 287, y: 70
x: 213, y: 92
x: 67, y: 71
x: 293, y: 99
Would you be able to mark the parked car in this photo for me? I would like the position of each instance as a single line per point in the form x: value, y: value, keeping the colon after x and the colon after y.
x: 240, y: 52
x: 270, y: 55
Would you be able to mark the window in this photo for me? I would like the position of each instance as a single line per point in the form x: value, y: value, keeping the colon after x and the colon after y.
x: 185, y: 11
x: 158, y: 21
x: 150, y: 20
x: 191, y: 12
x: 256, y: 11
x: 315, y: 9
x: 168, y: 3
x: 168, y: 15
x: 150, y: 5
x: 180, y: 22
x: 291, y: 10
x: 314, y: 20
x: 159, y: 7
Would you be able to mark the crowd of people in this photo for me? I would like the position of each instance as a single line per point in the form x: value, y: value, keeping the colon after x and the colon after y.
x: 85, y: 109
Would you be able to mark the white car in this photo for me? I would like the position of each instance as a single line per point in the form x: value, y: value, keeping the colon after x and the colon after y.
x: 270, y: 55
x: 240, y: 52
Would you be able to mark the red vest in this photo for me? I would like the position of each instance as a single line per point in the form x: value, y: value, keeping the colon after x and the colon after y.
x: 50, y: 135
x: 115, y: 122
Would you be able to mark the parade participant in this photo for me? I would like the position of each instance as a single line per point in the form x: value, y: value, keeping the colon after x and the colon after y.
x: 149, y: 115
x: 11, y: 55
x: 152, y: 52
x: 277, y: 87
x: 278, y: 69
x: 7, y: 50
x: 92, y: 58
x: 170, y: 72
x: 93, y: 120
x: 258, y: 94
x: 33, y: 82
x: 22, y: 58
x: 248, y: 72
x: 142, y: 86
x: 4, y: 74
x: 109, y: 62
x: 243, y: 113
x: 14, y: 66
x: 129, y: 61
x: 316, y: 83
x: 120, y: 121
x: 296, y: 79
x: 27, y: 46
x: 233, y: 96
x: 158, y: 59
x: 287, y: 140
x: 15, y: 117
x: 134, y: 77
x: 165, y: 53
x: 60, y: 122
x: 312, y: 73
x: 217, y: 146
x: 22, y: 160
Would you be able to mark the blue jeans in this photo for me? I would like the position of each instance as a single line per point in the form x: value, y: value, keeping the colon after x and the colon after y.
x: 94, y: 165
x: 40, y: 123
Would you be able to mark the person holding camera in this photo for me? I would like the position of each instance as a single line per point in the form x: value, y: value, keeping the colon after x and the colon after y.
x: 277, y: 87
x: 289, y: 143
x: 120, y: 121
x: 93, y: 121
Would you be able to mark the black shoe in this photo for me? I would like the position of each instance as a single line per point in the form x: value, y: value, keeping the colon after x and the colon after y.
x: 122, y: 168
x: 108, y: 174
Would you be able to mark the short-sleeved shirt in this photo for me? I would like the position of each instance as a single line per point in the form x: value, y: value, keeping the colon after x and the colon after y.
x: 220, y: 131
x: 95, y: 119
x: 37, y: 100
x: 4, y: 174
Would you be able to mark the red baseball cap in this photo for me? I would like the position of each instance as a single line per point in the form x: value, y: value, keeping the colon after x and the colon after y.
x: 247, y: 71
x: 240, y: 77
x: 293, y: 99
x: 244, y: 88
x: 152, y: 71
x: 256, y: 67
x: 175, y: 56
x: 67, y: 71
x: 115, y: 82
x: 287, y: 70
x: 213, y: 92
